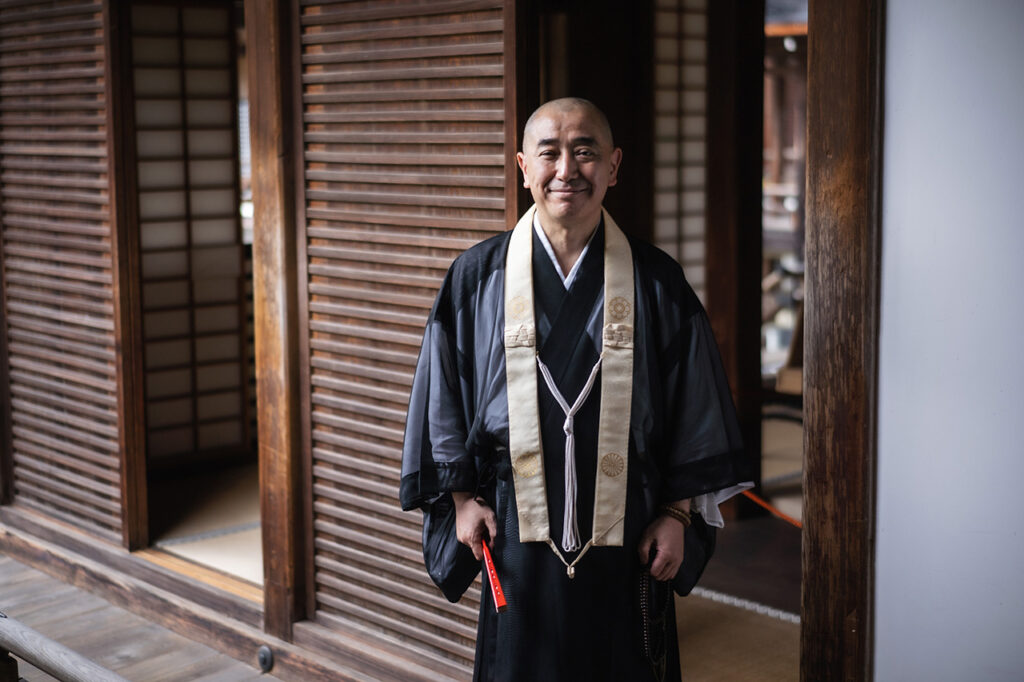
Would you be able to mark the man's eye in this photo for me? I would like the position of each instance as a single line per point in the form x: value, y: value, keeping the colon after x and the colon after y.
x: 584, y: 152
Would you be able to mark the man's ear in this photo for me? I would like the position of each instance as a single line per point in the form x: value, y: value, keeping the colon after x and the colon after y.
x: 616, y: 159
x: 521, y: 159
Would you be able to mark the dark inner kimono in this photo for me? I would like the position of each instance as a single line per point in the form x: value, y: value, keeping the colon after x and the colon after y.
x: 684, y: 441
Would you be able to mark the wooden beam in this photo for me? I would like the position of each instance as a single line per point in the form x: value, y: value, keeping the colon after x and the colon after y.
x: 733, y: 215
x: 124, y: 228
x: 269, y: 33
x: 844, y: 130
x: 522, y: 96
x: 6, y: 437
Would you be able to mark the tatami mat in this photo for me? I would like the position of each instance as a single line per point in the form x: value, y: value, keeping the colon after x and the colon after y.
x: 208, y: 503
x: 719, y: 642
x: 214, y: 520
x: 237, y: 553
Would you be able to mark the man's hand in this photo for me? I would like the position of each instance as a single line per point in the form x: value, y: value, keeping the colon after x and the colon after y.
x: 667, y: 535
x: 474, y: 521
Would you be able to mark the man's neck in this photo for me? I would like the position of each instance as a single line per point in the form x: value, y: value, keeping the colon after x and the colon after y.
x: 567, y: 240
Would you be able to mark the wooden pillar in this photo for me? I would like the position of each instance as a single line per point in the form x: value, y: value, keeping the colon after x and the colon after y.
x: 269, y: 35
x: 733, y: 217
x: 124, y: 228
x: 844, y: 126
x: 6, y: 446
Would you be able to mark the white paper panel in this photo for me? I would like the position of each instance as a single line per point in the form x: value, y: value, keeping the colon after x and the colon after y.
x: 227, y: 404
x: 206, y: 112
x: 165, y: 294
x: 160, y: 143
x: 160, y: 264
x: 217, y: 262
x: 206, y: 82
x: 213, y: 202
x: 219, y: 434
x: 189, y: 225
x: 166, y: 323
x: 695, y: 23
x: 694, y: 152
x: 157, y: 82
x: 217, y: 231
x: 163, y: 234
x: 680, y: 129
x: 154, y: 19
x: 205, y: 291
x: 202, y: 21
x: 153, y: 51
x: 152, y: 113
x: 159, y: 174
x: 211, y: 142
x: 213, y: 377
x: 169, y: 412
x: 207, y: 52
x: 216, y: 318
x: 169, y: 383
x: 212, y: 172
x: 168, y: 353
x: 222, y: 347
x: 160, y: 205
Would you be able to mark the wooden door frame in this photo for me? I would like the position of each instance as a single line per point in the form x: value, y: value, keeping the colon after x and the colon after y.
x: 841, y: 327
x: 844, y: 166
x: 277, y: 309
x: 127, y: 291
x: 843, y: 253
x: 6, y: 437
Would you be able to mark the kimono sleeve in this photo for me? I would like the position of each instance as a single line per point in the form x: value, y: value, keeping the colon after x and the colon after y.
x: 434, y: 455
x: 706, y: 461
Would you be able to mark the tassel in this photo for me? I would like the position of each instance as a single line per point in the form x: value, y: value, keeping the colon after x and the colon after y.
x: 570, y: 527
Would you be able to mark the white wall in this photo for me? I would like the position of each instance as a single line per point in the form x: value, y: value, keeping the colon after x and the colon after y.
x: 950, y: 545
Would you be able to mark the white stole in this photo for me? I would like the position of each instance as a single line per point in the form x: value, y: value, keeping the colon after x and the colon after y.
x: 616, y: 389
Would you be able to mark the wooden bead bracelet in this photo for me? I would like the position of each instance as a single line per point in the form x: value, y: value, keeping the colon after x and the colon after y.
x: 679, y: 515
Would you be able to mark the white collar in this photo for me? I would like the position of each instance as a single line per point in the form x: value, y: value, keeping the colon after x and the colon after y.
x: 566, y: 279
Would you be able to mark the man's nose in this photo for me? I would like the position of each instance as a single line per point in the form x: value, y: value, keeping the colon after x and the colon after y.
x: 567, y: 167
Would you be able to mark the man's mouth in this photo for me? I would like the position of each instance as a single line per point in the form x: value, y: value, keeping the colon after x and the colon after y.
x: 566, y: 190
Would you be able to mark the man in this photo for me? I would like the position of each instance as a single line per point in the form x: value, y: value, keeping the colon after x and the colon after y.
x: 570, y: 404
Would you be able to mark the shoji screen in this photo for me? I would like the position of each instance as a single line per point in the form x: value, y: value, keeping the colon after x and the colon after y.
x: 403, y: 119
x: 194, y: 318
x: 58, y: 310
x: 680, y: 81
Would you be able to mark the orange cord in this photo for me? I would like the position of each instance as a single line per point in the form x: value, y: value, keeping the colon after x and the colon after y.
x: 759, y: 501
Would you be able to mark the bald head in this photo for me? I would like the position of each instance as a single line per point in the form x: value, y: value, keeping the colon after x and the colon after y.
x: 564, y: 105
x: 568, y: 162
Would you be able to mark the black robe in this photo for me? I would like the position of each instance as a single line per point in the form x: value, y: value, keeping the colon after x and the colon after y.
x: 684, y: 441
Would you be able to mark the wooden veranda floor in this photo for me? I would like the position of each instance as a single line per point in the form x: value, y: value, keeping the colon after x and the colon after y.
x: 718, y: 641
x: 116, y: 639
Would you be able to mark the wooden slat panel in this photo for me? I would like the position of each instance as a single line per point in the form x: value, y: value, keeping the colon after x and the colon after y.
x: 404, y: 168
x: 57, y: 265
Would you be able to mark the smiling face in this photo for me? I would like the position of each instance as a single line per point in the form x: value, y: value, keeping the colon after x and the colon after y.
x: 568, y: 163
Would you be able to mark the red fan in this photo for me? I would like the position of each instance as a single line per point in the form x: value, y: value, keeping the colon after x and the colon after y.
x: 492, y: 578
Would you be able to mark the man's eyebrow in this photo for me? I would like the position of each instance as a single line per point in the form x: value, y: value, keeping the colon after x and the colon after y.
x: 553, y: 141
